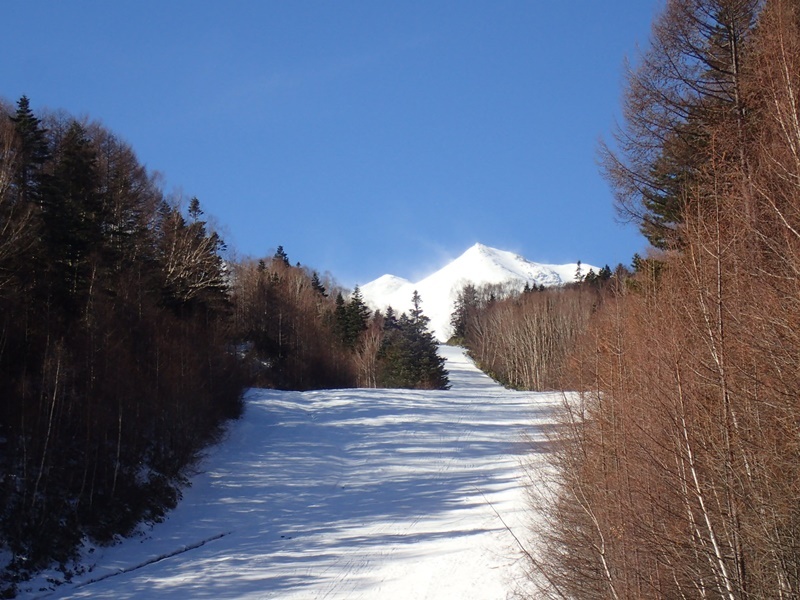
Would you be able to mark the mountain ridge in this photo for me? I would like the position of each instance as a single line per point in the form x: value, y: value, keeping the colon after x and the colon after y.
x: 479, y: 265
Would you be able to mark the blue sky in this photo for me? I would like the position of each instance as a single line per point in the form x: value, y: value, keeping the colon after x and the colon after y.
x: 365, y: 137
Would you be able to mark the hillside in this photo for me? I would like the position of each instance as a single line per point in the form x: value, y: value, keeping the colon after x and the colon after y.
x: 479, y: 265
x: 345, y: 494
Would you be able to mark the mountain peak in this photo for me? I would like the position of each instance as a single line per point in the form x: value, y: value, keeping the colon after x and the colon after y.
x: 479, y: 265
x: 479, y: 250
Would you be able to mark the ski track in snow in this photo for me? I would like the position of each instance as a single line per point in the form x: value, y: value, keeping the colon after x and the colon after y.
x: 345, y: 494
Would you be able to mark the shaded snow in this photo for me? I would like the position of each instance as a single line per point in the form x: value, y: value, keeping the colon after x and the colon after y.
x: 385, y: 494
x: 479, y: 265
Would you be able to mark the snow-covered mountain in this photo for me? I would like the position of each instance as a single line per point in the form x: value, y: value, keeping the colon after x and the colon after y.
x: 480, y: 265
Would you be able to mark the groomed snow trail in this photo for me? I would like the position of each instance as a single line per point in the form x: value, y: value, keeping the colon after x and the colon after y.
x: 389, y: 494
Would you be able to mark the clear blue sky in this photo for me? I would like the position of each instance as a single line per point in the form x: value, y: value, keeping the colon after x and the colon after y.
x: 364, y: 136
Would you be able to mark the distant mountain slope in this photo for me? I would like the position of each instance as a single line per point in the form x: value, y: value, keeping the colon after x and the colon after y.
x: 480, y: 265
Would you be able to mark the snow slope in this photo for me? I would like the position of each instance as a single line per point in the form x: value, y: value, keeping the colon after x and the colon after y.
x: 479, y: 265
x: 385, y: 494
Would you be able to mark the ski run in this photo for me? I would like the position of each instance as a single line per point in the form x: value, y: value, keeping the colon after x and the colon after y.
x: 365, y: 493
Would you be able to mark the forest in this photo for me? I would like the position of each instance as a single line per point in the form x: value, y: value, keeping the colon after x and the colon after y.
x: 676, y: 466
x: 128, y: 334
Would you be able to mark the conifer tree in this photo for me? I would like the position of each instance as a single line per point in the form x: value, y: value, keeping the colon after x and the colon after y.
x: 72, y: 212
x: 465, y: 306
x: 687, y: 82
x: 340, y: 318
x: 358, y: 315
x: 429, y: 366
x: 32, y: 152
x: 409, y: 355
x: 351, y: 318
x: 389, y: 319
x: 195, y: 212
x: 317, y: 286
x: 281, y: 256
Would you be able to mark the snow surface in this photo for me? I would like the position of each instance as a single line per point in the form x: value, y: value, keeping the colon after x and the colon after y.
x: 391, y: 494
x: 479, y: 265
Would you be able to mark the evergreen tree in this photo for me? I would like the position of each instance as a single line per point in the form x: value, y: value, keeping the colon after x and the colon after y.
x: 428, y: 364
x: 688, y: 82
x: 281, y: 256
x: 465, y: 306
x: 72, y: 212
x: 32, y: 152
x: 409, y: 355
x: 351, y: 318
x: 579, y: 273
x: 195, y: 212
x: 340, y: 319
x: 358, y: 315
x: 317, y: 286
x: 637, y: 263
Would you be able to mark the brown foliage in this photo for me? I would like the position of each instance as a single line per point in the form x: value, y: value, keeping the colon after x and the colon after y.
x: 523, y: 341
x: 680, y: 462
x: 286, y: 325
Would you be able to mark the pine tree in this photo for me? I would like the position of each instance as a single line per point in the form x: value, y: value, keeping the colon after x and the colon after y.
x: 465, y: 306
x: 358, y: 315
x: 428, y: 365
x: 281, y: 256
x: 409, y: 355
x: 351, y: 318
x: 33, y: 152
x: 578, y: 273
x: 107, y: 394
x: 317, y: 286
x: 390, y: 320
x: 340, y: 319
x: 687, y: 83
x: 72, y: 212
x: 195, y: 212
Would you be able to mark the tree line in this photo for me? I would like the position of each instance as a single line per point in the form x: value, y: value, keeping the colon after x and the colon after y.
x: 678, y: 463
x: 299, y: 332
x: 128, y: 334
x: 525, y: 338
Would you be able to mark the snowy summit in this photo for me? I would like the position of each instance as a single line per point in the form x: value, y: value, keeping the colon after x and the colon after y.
x: 479, y: 265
